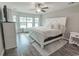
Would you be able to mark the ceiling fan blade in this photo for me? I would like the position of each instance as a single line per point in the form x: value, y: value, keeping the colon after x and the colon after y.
x: 45, y: 8
x: 31, y: 9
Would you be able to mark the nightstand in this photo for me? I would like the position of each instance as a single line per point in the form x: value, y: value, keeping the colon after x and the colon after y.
x: 74, y: 38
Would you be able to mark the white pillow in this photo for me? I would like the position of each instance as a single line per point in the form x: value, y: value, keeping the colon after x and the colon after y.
x: 54, y: 26
x: 48, y: 25
x: 62, y: 28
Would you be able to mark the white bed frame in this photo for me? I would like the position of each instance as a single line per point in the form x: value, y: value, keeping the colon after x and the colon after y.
x: 61, y: 20
x: 42, y: 44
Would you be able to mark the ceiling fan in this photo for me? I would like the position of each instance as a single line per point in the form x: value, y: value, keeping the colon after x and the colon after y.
x: 40, y: 7
x: 71, y: 2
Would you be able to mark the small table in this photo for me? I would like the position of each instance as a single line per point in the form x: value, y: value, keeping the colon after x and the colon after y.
x: 74, y: 38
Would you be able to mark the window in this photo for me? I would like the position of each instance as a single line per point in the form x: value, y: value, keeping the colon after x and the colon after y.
x: 22, y: 22
x: 29, y: 19
x: 29, y: 22
x: 14, y: 18
x: 29, y: 25
x: 23, y: 25
x: 22, y: 19
x: 36, y: 19
x: 36, y: 22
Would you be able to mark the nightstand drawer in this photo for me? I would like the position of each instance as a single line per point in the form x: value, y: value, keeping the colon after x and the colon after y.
x: 74, y: 35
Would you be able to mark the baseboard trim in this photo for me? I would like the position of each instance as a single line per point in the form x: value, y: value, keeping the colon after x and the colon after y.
x: 2, y: 53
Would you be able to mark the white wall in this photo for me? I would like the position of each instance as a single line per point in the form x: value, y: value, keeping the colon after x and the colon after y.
x: 72, y: 14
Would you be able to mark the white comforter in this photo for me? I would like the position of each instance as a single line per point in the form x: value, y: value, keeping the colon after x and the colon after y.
x: 41, y: 33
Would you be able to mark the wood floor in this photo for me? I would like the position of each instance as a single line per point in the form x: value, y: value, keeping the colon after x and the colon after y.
x: 24, y: 48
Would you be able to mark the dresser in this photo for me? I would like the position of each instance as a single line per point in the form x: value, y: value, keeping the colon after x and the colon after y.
x: 9, y: 35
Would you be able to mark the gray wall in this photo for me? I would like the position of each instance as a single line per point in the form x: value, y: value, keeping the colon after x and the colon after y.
x: 72, y: 14
x: 0, y: 14
x: 1, y: 44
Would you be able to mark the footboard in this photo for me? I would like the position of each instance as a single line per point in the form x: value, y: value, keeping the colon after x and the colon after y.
x: 51, y: 35
x: 39, y: 38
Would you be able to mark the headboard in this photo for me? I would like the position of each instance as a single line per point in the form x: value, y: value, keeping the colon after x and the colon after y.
x: 60, y: 20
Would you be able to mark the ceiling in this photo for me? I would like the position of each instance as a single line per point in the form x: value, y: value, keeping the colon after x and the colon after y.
x: 27, y: 6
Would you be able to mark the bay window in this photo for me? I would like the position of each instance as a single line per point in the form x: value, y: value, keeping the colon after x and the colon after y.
x: 24, y: 22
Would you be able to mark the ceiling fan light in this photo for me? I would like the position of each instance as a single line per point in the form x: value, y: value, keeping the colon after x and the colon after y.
x: 38, y: 10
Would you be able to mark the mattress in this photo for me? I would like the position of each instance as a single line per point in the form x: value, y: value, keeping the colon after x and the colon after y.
x: 42, y: 34
x: 52, y: 37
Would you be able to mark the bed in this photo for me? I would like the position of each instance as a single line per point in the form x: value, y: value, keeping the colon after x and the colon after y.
x: 44, y: 36
x: 47, y: 34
